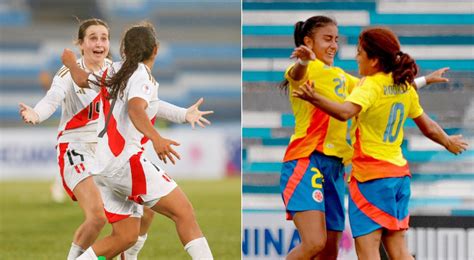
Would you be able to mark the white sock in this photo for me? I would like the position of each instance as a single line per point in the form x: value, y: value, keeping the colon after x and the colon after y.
x: 132, y: 252
x: 89, y: 254
x: 74, y: 252
x: 199, y: 249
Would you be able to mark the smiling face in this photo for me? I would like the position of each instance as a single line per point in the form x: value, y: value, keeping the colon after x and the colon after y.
x: 95, y: 45
x: 324, y: 43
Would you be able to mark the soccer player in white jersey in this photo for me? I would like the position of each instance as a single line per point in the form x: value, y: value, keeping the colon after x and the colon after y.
x: 77, y: 130
x: 78, y: 135
x: 129, y: 101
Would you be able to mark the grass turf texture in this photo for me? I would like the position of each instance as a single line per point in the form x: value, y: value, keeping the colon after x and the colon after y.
x: 34, y: 227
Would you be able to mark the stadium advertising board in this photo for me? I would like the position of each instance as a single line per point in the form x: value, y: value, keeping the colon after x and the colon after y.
x: 266, y: 235
x: 441, y: 237
x: 30, y: 153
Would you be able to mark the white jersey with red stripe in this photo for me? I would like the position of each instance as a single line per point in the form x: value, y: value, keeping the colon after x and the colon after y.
x: 118, y: 138
x: 79, y: 107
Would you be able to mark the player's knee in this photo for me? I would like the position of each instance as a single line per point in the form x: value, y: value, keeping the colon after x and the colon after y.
x: 129, y: 240
x: 97, y: 221
x: 314, y: 246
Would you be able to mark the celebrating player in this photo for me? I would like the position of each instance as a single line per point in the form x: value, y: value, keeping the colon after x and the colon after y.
x: 129, y: 101
x: 380, y: 178
x: 312, y: 176
x: 77, y: 130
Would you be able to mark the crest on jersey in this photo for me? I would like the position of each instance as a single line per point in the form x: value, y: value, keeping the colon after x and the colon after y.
x: 146, y: 89
x: 318, y: 196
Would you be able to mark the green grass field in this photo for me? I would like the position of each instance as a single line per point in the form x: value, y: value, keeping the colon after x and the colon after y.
x: 34, y: 227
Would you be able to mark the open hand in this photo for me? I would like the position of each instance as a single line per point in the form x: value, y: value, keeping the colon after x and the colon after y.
x: 28, y: 114
x: 305, y: 91
x: 456, y: 144
x: 164, y: 150
x: 437, y: 76
x: 303, y: 53
x: 195, y: 116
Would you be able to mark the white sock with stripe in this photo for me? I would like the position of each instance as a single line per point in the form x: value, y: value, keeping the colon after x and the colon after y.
x: 89, y: 254
x: 199, y: 249
x: 74, y: 252
x: 132, y: 252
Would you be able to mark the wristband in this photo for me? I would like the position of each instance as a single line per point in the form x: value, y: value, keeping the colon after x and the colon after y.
x: 420, y: 82
x: 303, y: 62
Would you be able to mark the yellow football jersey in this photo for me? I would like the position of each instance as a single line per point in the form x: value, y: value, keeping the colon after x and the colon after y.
x: 378, y: 131
x: 314, y: 129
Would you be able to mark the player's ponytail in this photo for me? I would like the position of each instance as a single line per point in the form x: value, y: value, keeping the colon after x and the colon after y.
x: 137, y: 46
x: 382, y: 44
x: 298, y: 34
x: 307, y: 29
x: 404, y: 69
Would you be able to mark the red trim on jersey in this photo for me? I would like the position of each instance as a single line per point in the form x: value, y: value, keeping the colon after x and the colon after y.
x: 373, y: 212
x: 82, y: 117
x: 294, y: 180
x: 313, y: 140
x: 115, y: 139
x: 138, y: 178
x: 62, y: 151
x: 82, y: 166
x: 366, y: 167
x: 145, y: 139
x: 60, y: 134
x: 166, y: 177
x: 113, y: 217
x: 77, y: 169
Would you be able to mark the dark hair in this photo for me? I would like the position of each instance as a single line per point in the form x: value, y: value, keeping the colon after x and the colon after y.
x: 307, y: 28
x: 83, y: 25
x: 137, y: 46
x: 382, y: 44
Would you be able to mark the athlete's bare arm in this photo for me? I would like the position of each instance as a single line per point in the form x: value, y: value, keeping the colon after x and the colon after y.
x: 453, y: 143
x: 341, y: 112
x: 139, y: 118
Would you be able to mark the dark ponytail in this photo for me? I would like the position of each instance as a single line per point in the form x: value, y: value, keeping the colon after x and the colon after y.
x: 404, y: 69
x: 298, y: 35
x: 382, y: 44
x: 303, y: 29
x: 137, y: 46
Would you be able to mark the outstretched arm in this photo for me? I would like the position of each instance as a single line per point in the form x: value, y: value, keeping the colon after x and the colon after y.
x: 79, y: 75
x: 436, y: 76
x: 453, y: 143
x: 176, y: 114
x: 162, y: 146
x: 196, y: 116
x: 28, y: 114
x: 47, y: 105
x: 342, y: 112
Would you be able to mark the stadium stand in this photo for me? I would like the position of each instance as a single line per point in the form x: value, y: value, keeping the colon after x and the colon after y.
x: 435, y: 34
